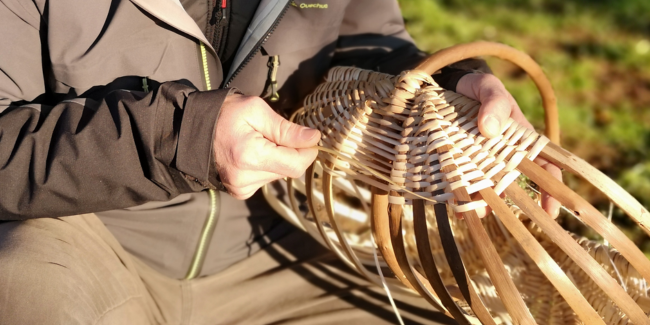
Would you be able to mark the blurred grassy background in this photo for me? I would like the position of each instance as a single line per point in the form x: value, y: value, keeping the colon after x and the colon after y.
x: 596, y: 54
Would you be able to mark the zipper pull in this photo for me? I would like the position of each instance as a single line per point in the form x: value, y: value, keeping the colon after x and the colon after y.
x: 218, y: 13
x: 273, y: 64
x: 145, y: 85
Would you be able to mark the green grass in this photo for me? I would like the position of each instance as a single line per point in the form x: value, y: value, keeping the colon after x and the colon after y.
x: 596, y: 54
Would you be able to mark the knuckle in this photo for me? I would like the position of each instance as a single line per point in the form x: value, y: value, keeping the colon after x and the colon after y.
x: 239, y: 154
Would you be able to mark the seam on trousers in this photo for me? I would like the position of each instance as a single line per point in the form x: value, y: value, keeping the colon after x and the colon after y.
x: 186, y: 302
x: 115, y: 307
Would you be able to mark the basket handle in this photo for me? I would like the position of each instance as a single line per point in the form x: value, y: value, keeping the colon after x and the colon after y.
x: 464, y: 51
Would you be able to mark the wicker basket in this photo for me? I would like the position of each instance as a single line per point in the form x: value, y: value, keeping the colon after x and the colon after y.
x: 401, y: 156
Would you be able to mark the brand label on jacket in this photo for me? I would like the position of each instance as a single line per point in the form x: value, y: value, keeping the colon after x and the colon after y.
x: 310, y: 5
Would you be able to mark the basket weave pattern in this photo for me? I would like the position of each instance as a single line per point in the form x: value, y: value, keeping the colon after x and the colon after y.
x: 425, y: 142
x: 399, y: 127
x: 418, y: 149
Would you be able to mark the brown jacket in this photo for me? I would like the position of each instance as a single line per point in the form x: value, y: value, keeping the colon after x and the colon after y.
x: 111, y: 106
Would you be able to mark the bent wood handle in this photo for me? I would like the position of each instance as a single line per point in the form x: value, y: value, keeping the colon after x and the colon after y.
x: 461, y: 52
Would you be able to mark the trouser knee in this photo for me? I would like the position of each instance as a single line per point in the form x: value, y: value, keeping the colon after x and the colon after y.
x: 57, y: 271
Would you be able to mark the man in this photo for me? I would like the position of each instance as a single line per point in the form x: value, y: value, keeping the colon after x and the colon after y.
x: 119, y: 119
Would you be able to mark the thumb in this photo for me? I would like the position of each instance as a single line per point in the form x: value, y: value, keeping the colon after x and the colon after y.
x: 280, y: 131
x: 496, y: 102
x: 493, y: 114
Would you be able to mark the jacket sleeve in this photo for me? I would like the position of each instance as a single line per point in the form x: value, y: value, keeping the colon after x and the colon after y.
x: 109, y: 149
x: 373, y: 36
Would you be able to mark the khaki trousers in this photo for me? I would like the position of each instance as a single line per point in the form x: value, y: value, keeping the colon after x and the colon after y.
x: 73, y: 271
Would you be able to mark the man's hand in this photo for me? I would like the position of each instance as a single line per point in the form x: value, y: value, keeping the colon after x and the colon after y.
x: 254, y: 145
x: 496, y: 106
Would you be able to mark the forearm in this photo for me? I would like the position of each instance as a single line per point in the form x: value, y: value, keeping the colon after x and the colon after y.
x: 115, y: 151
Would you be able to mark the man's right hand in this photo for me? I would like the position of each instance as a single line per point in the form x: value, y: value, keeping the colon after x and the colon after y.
x: 253, y: 146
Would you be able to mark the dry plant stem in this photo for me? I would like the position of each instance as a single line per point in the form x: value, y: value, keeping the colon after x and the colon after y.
x: 564, y: 159
x: 589, y: 215
x: 542, y: 259
x: 565, y: 242
x: 429, y: 265
x: 460, y: 52
x: 494, y: 265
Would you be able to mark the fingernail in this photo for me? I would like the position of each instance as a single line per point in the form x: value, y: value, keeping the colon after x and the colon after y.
x: 308, y: 134
x: 492, y: 126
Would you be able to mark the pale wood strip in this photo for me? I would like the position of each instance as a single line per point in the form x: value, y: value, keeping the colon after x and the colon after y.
x: 309, y: 183
x: 429, y: 265
x: 494, y: 265
x: 329, y: 209
x: 565, y: 159
x: 589, y: 215
x: 561, y: 238
x: 327, y: 241
x: 542, y: 259
x: 381, y: 232
x: 366, y: 258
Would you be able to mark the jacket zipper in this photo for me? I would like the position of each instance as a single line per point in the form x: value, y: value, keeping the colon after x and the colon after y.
x: 259, y: 44
x: 219, y: 19
x: 211, y: 222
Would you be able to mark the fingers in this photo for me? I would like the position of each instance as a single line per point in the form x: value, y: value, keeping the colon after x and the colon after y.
x: 496, y: 103
x: 280, y: 131
x: 495, y: 107
x: 288, y: 161
x: 260, y: 154
x: 254, y: 146
x: 265, y: 163
x: 550, y: 204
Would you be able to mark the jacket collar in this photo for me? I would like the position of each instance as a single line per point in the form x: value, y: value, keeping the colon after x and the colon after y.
x: 172, y: 13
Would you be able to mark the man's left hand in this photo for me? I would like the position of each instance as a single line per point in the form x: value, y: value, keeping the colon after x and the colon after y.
x: 497, y: 105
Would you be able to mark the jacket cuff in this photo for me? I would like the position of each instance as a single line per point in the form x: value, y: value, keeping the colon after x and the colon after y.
x: 194, y: 153
x: 450, y: 75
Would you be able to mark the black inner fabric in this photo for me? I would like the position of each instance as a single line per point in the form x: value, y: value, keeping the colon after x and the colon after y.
x: 241, y: 15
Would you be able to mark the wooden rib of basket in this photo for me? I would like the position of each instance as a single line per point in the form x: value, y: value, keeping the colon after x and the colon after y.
x: 418, y: 148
